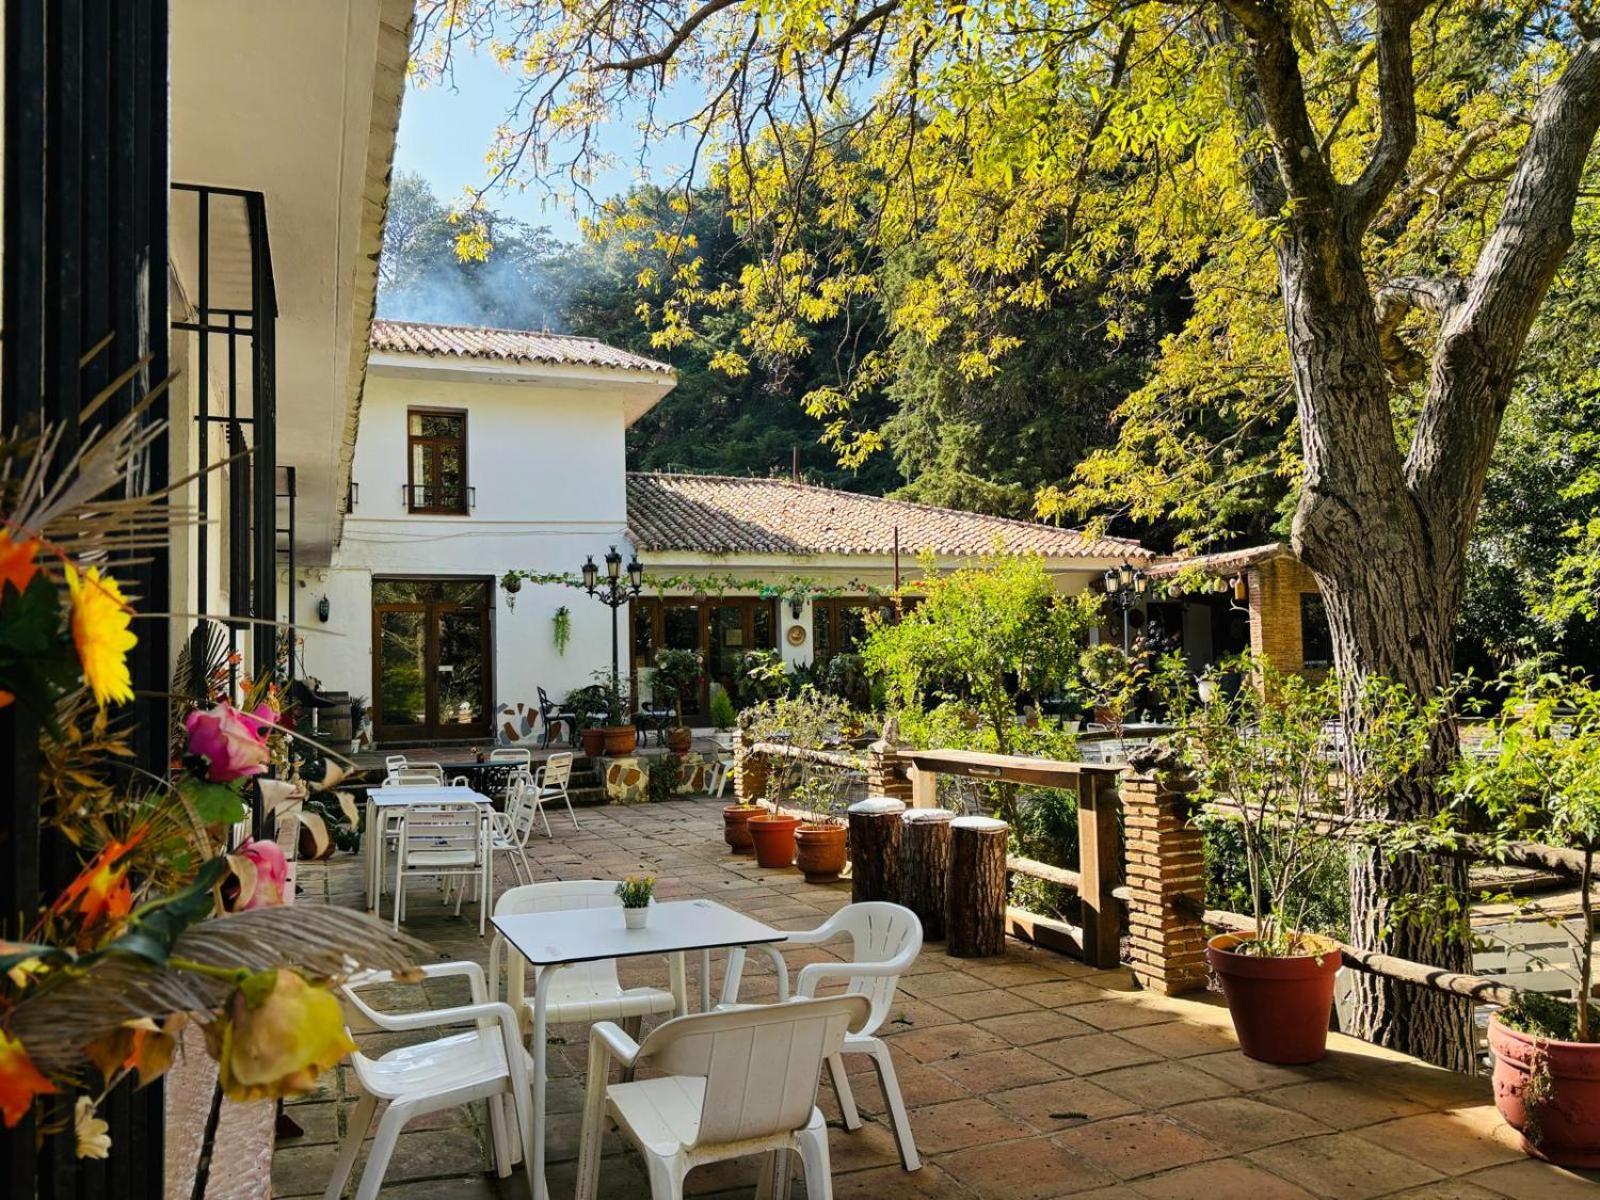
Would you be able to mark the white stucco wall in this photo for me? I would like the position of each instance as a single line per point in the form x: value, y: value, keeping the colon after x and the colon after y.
x: 547, y: 463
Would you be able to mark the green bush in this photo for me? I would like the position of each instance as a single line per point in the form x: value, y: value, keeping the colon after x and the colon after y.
x: 723, y: 714
x: 662, y: 779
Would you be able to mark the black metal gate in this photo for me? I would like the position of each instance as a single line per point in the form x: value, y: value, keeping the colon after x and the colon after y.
x: 85, y: 297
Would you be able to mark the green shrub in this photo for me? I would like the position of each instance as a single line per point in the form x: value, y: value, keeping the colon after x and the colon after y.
x: 723, y: 714
x: 663, y: 778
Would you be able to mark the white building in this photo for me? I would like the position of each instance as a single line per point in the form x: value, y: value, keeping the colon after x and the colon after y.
x: 483, y: 451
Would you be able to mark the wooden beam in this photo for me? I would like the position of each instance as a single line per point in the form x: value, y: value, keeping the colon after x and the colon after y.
x: 924, y: 788
x: 1100, y: 868
x: 1034, y: 869
x: 1048, y: 932
x: 1007, y: 768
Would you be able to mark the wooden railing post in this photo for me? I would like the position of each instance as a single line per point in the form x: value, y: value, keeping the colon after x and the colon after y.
x: 1100, y: 864
x: 1166, y: 882
x: 924, y: 788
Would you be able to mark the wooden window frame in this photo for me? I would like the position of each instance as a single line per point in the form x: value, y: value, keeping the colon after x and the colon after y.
x: 432, y: 729
x: 434, y: 443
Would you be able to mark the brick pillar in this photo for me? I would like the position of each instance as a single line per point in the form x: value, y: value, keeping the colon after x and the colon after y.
x: 886, y: 773
x: 1165, y: 859
x: 749, y: 772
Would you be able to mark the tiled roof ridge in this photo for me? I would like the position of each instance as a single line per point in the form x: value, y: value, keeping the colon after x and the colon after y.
x: 799, y: 485
x: 461, y: 327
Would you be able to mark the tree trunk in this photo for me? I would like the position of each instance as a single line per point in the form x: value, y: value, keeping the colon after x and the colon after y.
x: 874, y: 849
x: 976, y: 904
x: 924, y: 863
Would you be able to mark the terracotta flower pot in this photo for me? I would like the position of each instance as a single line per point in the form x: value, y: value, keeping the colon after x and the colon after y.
x: 1566, y: 1127
x: 820, y: 851
x: 594, y: 741
x: 773, y: 837
x: 679, y: 739
x: 1280, y: 1006
x: 736, y: 826
x: 619, y: 739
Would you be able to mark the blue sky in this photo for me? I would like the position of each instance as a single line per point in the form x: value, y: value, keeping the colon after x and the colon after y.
x: 445, y: 130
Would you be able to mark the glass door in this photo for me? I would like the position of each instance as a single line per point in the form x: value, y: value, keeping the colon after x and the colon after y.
x: 432, y: 663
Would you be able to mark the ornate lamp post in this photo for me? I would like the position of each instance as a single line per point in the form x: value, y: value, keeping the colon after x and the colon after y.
x: 1126, y: 587
x: 613, y: 593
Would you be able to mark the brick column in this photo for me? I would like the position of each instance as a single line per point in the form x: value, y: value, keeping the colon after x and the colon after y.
x: 749, y: 772
x: 886, y: 773
x: 1165, y: 859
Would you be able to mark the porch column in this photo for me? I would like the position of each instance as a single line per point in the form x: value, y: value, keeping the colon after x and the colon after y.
x: 1166, y: 859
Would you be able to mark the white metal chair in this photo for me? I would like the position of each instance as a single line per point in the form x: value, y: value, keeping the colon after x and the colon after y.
x: 486, y: 1063
x: 415, y: 775
x: 550, y: 781
x: 449, y: 841
x: 885, y: 940
x: 393, y: 763
x: 734, y: 1083
x: 520, y: 755
x: 509, y: 831
x: 583, y: 992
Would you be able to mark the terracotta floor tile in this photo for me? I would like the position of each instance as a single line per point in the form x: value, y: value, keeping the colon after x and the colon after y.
x: 1062, y: 1103
x: 919, y: 1085
x: 1450, y: 1144
x: 1094, y: 1052
x: 1060, y: 992
x: 1249, y: 1075
x: 1342, y: 1103
x: 1161, y: 1084
x: 1534, y: 1180
x: 1181, y: 1039
x: 941, y: 983
x: 1117, y: 1014
x: 1132, y: 1146
x: 975, y: 1006
x: 1446, y: 1189
x: 997, y: 1070
x: 891, y: 1183
x: 1034, y: 1170
x: 1031, y: 1028
x: 1222, y: 1178
x: 949, y: 1041
x: 961, y: 1123
x: 1342, y: 1165
x: 1242, y: 1123
x: 1011, y: 974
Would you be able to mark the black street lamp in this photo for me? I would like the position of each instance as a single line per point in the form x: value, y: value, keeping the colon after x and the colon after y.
x: 1126, y: 587
x: 613, y: 593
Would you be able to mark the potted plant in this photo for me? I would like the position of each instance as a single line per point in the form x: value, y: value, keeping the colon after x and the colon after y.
x: 635, y: 892
x: 1540, y: 782
x: 676, y: 677
x: 820, y: 836
x: 772, y: 836
x: 601, y: 709
x: 1261, y: 756
x: 723, y: 716
x: 807, y: 720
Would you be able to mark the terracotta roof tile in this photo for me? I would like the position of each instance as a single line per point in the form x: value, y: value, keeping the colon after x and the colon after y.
x: 1222, y: 562
x: 719, y: 514
x: 505, y: 345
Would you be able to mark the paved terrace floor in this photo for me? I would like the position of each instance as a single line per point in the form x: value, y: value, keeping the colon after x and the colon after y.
x: 1029, y: 1077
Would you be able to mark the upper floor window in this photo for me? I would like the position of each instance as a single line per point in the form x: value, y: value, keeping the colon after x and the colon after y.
x: 436, y: 470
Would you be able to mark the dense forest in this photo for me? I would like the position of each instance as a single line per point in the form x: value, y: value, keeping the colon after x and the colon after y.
x: 1040, y: 421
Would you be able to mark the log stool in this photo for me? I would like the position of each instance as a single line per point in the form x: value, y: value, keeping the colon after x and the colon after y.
x: 977, y: 894
x: 924, y: 859
x: 874, y: 848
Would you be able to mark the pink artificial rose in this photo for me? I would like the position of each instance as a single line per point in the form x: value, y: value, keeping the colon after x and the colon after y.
x: 271, y: 874
x: 230, y: 742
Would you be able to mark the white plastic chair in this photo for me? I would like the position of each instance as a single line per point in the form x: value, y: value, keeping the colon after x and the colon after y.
x: 734, y: 1083
x: 415, y: 775
x: 510, y: 830
x: 520, y: 755
x: 550, y: 781
x: 886, y: 939
x: 583, y: 992
x: 487, y: 1063
x: 447, y: 840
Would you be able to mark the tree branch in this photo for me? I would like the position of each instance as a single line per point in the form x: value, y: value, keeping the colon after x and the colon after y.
x: 682, y: 34
x: 1405, y: 363
x: 1397, y: 102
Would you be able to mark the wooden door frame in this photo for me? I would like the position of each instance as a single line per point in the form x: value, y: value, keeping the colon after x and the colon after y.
x: 430, y: 731
x: 657, y: 606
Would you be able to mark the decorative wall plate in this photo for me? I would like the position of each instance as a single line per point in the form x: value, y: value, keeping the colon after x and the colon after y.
x: 797, y: 635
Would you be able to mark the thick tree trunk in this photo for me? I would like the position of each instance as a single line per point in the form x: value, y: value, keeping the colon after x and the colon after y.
x: 875, y: 849
x: 976, y: 908
x: 924, y: 862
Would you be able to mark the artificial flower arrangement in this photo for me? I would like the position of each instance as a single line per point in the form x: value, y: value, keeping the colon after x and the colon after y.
x: 164, y: 924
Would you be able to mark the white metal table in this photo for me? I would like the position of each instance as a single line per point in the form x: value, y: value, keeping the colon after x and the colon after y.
x: 552, y: 940
x: 380, y: 798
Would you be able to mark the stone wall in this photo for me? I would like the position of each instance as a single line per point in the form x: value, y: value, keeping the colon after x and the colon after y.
x: 1166, y: 860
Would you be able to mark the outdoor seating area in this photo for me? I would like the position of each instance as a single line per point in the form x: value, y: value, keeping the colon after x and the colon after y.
x: 1029, y: 1074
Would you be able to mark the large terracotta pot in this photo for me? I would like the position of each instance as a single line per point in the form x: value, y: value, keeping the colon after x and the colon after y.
x: 1280, y: 1006
x: 773, y: 837
x: 736, y: 826
x: 1567, y: 1125
x: 594, y: 741
x: 820, y: 851
x: 619, y: 739
x: 679, y: 739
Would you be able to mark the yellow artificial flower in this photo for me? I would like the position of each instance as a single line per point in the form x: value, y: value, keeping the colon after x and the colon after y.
x: 91, y: 1135
x: 101, y: 617
x: 276, y: 1035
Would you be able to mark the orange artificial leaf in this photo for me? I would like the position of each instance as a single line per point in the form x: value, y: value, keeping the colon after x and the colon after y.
x: 18, y: 562
x: 20, y: 1081
x: 101, y: 888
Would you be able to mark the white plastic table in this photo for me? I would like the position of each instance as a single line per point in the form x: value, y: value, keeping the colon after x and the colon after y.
x: 552, y: 940
x: 401, y: 797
